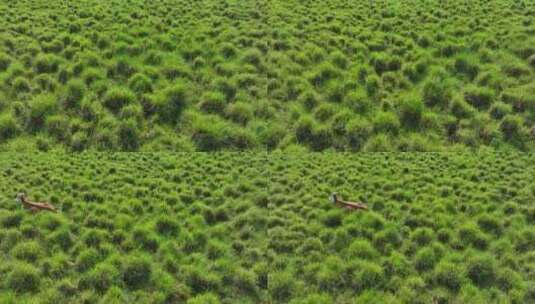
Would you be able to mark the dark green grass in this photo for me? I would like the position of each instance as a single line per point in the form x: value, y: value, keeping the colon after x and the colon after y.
x: 145, y: 228
x: 258, y: 228
x: 442, y: 76
x: 98, y: 62
x: 442, y: 227
x: 451, y: 59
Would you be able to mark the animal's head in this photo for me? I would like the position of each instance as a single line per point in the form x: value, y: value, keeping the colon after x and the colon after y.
x: 334, y: 197
x: 20, y: 197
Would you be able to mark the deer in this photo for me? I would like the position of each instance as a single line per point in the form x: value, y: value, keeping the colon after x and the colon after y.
x: 34, y: 206
x: 338, y: 201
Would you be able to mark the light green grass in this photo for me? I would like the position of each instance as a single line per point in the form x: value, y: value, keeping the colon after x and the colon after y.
x: 259, y: 228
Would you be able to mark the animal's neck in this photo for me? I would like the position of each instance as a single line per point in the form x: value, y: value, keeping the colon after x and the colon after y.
x: 24, y: 200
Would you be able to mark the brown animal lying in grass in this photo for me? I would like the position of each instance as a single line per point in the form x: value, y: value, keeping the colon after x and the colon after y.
x: 338, y: 201
x: 34, y: 206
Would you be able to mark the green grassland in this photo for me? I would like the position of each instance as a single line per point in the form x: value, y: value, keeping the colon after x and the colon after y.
x: 258, y: 228
x: 212, y: 75
x: 404, y: 75
x: 443, y: 228
x: 134, y: 228
x: 132, y: 75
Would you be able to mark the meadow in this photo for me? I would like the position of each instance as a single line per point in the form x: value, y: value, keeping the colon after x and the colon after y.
x: 259, y: 228
x: 214, y: 75
x: 134, y: 228
x: 442, y: 228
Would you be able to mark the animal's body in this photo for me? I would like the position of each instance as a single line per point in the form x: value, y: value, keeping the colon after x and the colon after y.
x: 338, y: 201
x: 34, y: 206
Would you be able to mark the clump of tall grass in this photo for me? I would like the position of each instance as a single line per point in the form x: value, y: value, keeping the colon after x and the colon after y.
x: 46, y: 64
x: 136, y: 271
x: 118, y: 97
x: 40, y: 107
x: 171, y: 102
x: 24, y: 278
x: 212, y: 102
